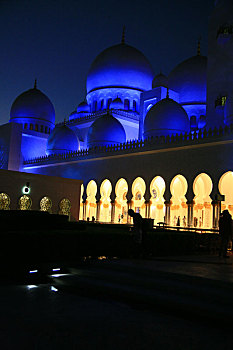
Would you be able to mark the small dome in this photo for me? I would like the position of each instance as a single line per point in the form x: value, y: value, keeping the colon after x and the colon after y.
x: 62, y: 140
x: 166, y: 117
x: 32, y: 104
x: 117, y: 104
x: 83, y: 107
x: 160, y: 80
x: 120, y: 66
x: 189, y: 79
x: 105, y: 131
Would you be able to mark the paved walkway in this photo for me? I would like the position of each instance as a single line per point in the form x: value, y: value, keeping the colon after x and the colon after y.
x: 192, y: 286
x: 206, y: 266
x: 89, y: 314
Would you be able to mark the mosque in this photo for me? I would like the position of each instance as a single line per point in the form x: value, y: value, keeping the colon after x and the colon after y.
x: 161, y: 145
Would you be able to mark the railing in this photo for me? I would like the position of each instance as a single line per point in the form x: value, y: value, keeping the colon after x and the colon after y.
x: 150, y: 143
x: 185, y: 228
x: 94, y: 115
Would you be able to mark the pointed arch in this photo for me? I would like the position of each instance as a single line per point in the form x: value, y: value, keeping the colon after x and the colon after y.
x: 121, y: 190
x: 138, y: 192
x: 91, y: 199
x: 179, y: 208
x: 157, y: 207
x: 202, y: 211
x: 105, y: 201
x: 225, y: 186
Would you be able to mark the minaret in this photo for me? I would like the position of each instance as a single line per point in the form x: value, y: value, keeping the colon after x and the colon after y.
x: 220, y: 65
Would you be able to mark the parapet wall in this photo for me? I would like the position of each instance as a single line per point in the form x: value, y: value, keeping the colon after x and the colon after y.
x: 153, y: 143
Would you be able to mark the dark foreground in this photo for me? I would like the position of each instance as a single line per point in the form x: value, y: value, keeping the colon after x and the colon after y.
x: 57, y: 315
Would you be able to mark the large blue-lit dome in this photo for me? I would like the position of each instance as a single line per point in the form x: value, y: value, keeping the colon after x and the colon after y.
x: 105, y: 131
x: 32, y: 104
x: 189, y: 79
x: 62, y: 140
x: 165, y: 118
x: 120, y: 66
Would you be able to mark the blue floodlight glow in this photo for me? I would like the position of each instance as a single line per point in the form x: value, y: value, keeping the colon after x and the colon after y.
x: 32, y: 104
x: 105, y: 131
x: 32, y: 146
x: 122, y: 66
x: 62, y: 140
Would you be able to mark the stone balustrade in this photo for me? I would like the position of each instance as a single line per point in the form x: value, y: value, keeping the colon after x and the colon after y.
x: 140, y: 145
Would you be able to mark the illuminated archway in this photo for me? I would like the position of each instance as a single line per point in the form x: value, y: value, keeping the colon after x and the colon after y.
x: 4, y: 201
x: 226, y: 188
x: 179, y: 207
x: 121, y: 201
x: 105, y: 201
x: 81, y: 203
x: 46, y: 204
x: 25, y: 203
x: 202, y: 211
x: 91, y: 200
x: 138, y: 191
x: 157, y: 207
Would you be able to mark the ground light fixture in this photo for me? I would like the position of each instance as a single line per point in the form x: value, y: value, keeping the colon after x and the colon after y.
x: 31, y: 286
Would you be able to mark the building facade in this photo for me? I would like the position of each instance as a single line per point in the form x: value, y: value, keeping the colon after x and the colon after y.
x: 158, y: 144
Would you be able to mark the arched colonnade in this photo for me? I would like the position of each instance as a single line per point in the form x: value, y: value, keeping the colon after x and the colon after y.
x: 105, y: 203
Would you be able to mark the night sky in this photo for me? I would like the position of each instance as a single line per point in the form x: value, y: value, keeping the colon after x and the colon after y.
x: 56, y: 42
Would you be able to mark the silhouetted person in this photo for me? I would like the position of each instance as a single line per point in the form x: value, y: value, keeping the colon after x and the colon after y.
x: 200, y: 222
x: 93, y: 219
x: 225, y: 232
x: 184, y: 221
x: 138, y: 226
x: 195, y: 221
x: 178, y: 221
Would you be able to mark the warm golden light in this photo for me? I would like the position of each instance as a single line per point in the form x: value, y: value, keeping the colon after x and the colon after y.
x: 179, y: 211
x: 138, y: 191
x: 157, y: 209
x: 105, y: 206
x: 91, y: 200
x: 121, y: 209
x: 202, y: 211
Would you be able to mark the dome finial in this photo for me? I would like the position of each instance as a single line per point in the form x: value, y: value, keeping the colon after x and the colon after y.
x: 123, y: 35
x: 35, y: 84
x: 167, y: 93
x: 199, y: 47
